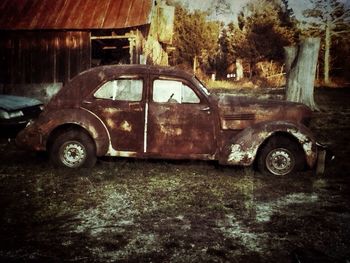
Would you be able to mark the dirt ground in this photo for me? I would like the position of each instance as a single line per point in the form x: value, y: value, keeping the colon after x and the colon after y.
x: 127, y: 210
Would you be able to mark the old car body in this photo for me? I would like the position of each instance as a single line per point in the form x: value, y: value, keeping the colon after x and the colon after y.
x: 161, y: 112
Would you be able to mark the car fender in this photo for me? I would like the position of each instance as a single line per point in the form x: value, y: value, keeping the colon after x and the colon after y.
x: 80, y: 117
x: 245, y: 145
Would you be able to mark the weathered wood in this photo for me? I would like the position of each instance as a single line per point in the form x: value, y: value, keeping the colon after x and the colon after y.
x: 301, y: 68
x: 43, y: 57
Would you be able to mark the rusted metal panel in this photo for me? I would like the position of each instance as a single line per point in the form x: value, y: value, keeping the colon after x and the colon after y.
x: 37, y: 136
x: 74, y: 14
x: 244, y: 147
x: 180, y: 129
x: 239, y: 112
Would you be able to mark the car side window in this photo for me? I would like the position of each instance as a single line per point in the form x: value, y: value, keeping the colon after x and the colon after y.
x: 121, y: 89
x: 173, y: 91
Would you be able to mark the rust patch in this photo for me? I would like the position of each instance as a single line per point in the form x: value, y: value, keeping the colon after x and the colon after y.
x: 126, y: 126
x: 241, y: 156
x: 111, y: 111
x: 102, y: 75
x: 110, y: 123
x: 170, y: 131
x: 308, y: 146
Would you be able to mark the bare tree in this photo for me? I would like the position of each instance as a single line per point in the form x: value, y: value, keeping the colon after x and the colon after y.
x: 330, y: 18
x: 301, y: 64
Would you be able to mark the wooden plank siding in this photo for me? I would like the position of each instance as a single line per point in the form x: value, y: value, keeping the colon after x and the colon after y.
x: 28, y: 57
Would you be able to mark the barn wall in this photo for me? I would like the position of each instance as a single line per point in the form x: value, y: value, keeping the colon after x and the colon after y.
x: 39, y: 57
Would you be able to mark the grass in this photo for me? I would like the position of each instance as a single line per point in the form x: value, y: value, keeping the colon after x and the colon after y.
x: 227, y: 85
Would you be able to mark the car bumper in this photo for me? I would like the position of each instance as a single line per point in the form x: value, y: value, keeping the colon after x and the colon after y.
x: 324, y: 156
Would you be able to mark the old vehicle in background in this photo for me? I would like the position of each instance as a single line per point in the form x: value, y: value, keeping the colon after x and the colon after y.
x: 16, y: 112
x: 160, y: 112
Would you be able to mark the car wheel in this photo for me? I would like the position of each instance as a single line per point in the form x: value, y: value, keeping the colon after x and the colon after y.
x: 73, y: 149
x: 280, y: 156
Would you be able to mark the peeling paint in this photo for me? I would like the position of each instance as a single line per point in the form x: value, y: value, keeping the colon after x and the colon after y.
x: 307, y: 144
x: 170, y: 131
x: 241, y: 156
x: 111, y: 111
x: 126, y: 126
x: 102, y: 75
x: 113, y: 152
x: 110, y: 123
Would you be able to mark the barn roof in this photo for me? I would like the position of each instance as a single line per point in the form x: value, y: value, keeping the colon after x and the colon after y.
x: 74, y: 14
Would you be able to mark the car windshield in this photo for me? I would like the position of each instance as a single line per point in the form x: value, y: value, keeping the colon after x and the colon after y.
x: 201, y: 85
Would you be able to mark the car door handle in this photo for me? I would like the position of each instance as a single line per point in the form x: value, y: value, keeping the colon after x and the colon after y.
x: 87, y: 102
x: 206, y: 109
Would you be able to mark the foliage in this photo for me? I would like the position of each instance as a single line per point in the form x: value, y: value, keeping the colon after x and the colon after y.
x: 264, y: 28
x: 267, y: 28
x: 327, y: 13
x: 194, y: 37
x: 329, y: 19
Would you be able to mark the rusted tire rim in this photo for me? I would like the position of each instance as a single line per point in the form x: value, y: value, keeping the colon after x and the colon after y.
x: 72, y: 154
x: 280, y: 161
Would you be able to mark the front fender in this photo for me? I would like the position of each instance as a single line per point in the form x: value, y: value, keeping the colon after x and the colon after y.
x: 36, y: 135
x: 245, y: 145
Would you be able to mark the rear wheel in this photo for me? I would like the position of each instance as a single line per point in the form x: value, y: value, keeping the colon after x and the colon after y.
x: 280, y: 156
x: 73, y: 149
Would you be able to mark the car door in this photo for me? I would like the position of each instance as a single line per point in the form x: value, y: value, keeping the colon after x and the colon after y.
x: 119, y: 104
x: 180, y: 121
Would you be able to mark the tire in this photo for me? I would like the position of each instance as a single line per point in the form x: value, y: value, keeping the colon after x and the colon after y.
x: 73, y: 149
x: 280, y: 156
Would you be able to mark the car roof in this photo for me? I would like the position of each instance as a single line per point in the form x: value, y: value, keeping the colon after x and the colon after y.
x: 86, y: 81
x: 137, y: 68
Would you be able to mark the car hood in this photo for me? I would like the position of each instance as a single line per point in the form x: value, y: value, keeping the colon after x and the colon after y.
x: 12, y: 103
x: 240, y: 112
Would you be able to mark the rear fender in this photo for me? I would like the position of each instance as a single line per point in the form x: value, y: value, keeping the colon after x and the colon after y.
x: 80, y: 117
x: 244, y: 147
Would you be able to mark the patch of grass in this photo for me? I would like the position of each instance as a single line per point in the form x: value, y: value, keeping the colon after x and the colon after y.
x: 229, y: 85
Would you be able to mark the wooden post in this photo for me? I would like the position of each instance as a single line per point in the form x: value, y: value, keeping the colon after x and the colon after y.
x: 239, y: 69
x: 195, y: 64
x: 301, y: 65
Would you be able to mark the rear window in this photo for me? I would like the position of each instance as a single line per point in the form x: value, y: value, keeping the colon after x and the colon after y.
x: 121, y: 89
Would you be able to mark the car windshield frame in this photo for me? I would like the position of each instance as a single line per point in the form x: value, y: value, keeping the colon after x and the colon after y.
x: 201, y: 85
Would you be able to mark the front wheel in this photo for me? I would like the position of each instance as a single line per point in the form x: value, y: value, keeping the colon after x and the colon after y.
x: 280, y: 156
x: 73, y: 149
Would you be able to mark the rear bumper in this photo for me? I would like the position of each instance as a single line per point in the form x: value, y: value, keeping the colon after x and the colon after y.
x: 324, y: 156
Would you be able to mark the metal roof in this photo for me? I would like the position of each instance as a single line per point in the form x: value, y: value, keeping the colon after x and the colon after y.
x: 74, y: 14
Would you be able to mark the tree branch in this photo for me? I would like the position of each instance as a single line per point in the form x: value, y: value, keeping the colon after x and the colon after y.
x: 334, y: 33
x: 342, y: 17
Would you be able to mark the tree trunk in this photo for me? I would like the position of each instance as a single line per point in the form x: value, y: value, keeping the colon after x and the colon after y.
x: 301, y: 65
x: 239, y: 69
x: 327, y: 54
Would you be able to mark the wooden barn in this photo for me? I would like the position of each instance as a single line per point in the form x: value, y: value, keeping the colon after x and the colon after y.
x: 44, y: 43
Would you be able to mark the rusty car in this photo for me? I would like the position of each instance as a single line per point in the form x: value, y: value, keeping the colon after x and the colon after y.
x: 147, y: 111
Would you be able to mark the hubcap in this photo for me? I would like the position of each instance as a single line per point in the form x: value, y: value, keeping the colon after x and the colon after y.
x: 72, y: 154
x: 280, y: 161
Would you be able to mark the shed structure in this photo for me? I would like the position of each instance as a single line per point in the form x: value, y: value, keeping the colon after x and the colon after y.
x: 44, y: 43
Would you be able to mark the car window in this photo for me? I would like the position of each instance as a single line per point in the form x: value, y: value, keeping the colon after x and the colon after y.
x: 121, y: 89
x: 173, y: 91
